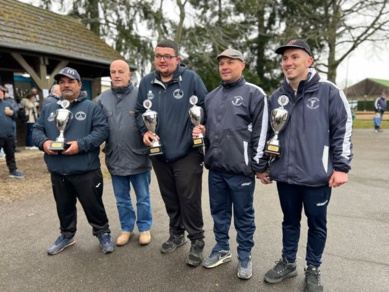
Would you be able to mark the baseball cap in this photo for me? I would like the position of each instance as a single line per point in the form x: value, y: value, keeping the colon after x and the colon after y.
x: 231, y: 53
x: 295, y: 43
x: 68, y: 72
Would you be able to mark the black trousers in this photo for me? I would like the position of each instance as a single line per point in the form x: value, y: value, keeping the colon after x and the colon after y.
x: 88, y: 188
x: 9, y: 149
x: 180, y: 184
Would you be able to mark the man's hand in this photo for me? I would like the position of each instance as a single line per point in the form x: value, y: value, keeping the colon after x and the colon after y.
x: 337, y: 179
x: 46, y: 148
x: 148, y: 138
x: 73, y: 148
x: 264, y: 177
x: 200, y: 129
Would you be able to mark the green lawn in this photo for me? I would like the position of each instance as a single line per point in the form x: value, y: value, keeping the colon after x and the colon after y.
x: 368, y: 124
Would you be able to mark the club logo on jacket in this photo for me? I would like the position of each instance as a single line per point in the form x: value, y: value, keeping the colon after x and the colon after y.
x: 313, y: 103
x: 237, y: 100
x: 51, y: 118
x: 80, y: 116
x: 178, y: 94
x: 283, y: 100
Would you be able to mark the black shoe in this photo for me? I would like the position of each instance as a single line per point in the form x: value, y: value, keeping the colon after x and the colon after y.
x: 312, y: 279
x: 280, y: 271
x: 173, y: 242
x: 195, y: 255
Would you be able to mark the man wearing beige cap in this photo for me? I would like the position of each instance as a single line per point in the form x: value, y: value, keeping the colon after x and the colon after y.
x: 235, y: 135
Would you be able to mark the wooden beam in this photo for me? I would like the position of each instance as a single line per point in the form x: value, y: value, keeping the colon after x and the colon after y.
x: 18, y: 57
x: 57, y: 68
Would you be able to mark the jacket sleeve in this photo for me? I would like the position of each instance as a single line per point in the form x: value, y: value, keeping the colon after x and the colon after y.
x: 260, y: 118
x: 99, y: 133
x: 38, y: 130
x: 340, y: 131
x: 139, y: 108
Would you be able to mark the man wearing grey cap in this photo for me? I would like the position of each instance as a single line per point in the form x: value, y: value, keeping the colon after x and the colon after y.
x: 75, y: 171
x: 315, y: 155
x: 235, y: 135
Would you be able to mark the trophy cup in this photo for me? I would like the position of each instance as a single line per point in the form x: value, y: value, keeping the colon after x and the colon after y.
x: 278, y: 119
x: 150, y: 120
x: 62, y: 117
x: 196, y: 115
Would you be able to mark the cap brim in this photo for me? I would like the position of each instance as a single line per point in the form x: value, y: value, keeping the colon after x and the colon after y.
x: 281, y: 50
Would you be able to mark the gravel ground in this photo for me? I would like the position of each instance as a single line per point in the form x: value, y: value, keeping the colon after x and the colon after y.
x: 37, y: 180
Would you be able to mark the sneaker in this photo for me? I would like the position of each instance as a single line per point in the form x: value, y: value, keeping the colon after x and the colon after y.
x: 60, y: 244
x: 16, y: 174
x: 281, y: 270
x: 124, y: 238
x: 312, y: 279
x: 173, y: 242
x: 217, y: 258
x: 195, y: 255
x: 106, y: 243
x: 245, y: 268
x: 144, y: 237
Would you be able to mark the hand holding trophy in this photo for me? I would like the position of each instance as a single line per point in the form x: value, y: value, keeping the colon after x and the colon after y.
x: 62, y: 117
x: 196, y: 115
x: 278, y: 119
x: 150, y: 120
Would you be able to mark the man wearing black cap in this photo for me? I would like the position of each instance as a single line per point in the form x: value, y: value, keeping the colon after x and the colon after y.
x: 235, y: 135
x: 75, y: 172
x: 7, y: 135
x: 316, y: 152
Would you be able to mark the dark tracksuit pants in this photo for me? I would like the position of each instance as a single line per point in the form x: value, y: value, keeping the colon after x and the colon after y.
x: 315, y: 201
x: 227, y: 192
x: 9, y: 150
x: 180, y: 184
x: 88, y: 188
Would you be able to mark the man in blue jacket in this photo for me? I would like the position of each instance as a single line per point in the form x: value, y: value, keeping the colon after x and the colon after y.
x: 75, y: 172
x: 7, y: 135
x: 126, y: 155
x: 316, y: 152
x: 235, y: 136
x: 179, y: 169
x: 379, y: 109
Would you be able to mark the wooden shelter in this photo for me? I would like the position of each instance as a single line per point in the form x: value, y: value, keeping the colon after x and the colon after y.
x: 41, y: 43
x: 367, y: 89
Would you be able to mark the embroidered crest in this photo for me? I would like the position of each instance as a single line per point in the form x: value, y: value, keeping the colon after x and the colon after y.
x: 313, y: 103
x: 178, y: 94
x: 80, y: 116
x: 237, y: 100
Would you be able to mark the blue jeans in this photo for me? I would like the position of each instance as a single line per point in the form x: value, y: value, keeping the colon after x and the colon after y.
x: 121, y: 186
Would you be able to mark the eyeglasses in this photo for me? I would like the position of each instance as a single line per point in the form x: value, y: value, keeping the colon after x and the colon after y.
x: 166, y: 57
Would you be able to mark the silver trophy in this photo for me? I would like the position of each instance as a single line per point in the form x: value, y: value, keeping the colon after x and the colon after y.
x: 278, y: 119
x: 150, y: 120
x: 62, y: 117
x: 196, y: 115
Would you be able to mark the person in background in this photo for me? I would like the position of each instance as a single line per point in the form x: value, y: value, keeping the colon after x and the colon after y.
x: 235, y: 135
x: 126, y: 156
x: 75, y: 171
x: 54, y: 96
x: 379, y: 108
x: 85, y: 92
x: 179, y: 169
x: 316, y: 154
x: 7, y: 135
x: 31, y: 107
x: 15, y: 108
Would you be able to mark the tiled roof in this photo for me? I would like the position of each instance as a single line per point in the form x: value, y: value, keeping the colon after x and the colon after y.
x: 368, y: 87
x: 24, y: 27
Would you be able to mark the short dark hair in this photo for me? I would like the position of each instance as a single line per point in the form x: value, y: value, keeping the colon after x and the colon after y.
x: 166, y: 43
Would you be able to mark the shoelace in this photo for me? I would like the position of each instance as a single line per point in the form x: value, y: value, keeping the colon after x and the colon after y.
x: 313, y: 276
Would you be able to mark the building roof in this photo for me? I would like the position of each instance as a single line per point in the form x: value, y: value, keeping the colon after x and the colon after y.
x: 35, y: 30
x: 369, y: 87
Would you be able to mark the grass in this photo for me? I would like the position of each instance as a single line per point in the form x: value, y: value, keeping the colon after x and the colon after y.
x: 368, y: 124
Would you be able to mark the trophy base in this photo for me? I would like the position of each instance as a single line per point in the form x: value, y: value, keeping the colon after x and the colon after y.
x: 273, y: 149
x: 58, y: 146
x: 198, y: 142
x: 155, y: 150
